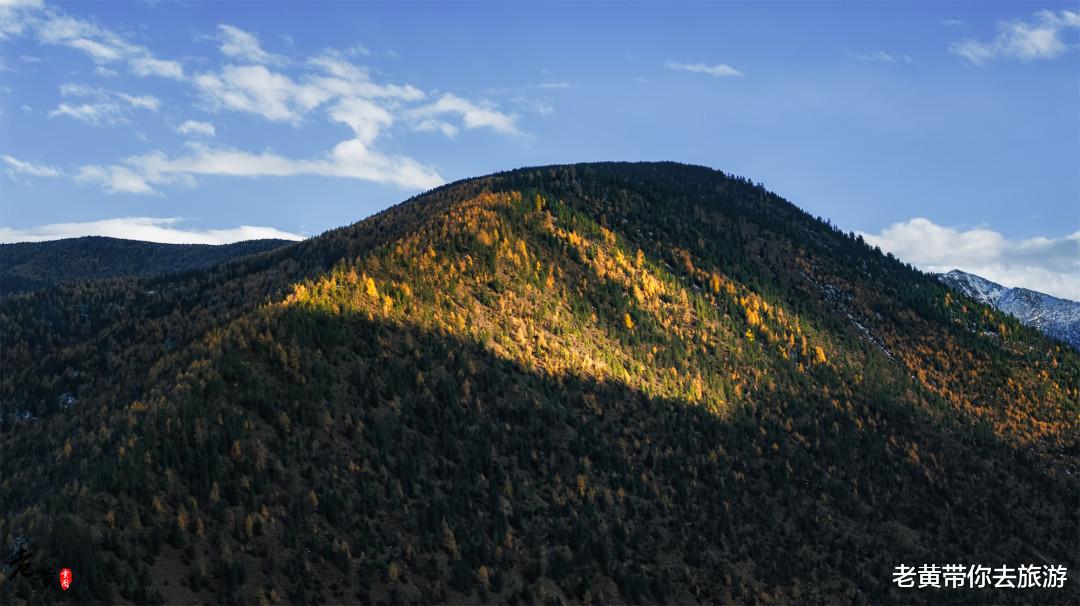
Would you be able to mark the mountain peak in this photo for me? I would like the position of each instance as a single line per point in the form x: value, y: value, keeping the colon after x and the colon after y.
x: 976, y: 287
x: 589, y: 383
x: 1055, y: 317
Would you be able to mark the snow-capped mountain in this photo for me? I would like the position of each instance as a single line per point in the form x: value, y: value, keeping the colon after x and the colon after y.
x: 1058, y: 318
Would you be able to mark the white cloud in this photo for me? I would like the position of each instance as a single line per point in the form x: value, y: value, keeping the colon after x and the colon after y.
x: 238, y: 44
x: 70, y: 89
x: 365, y: 118
x: 115, y: 179
x: 14, y: 15
x: 101, y: 44
x: 194, y: 127
x: 473, y: 115
x: 149, y: 229
x: 256, y: 82
x: 149, y: 102
x: 257, y: 90
x: 277, y: 97
x: 358, y: 50
x: 92, y: 113
x: 31, y: 168
x: 105, y: 107
x: 717, y: 71
x: 431, y: 125
x: 149, y: 66
x: 882, y: 57
x: 553, y: 85
x: 345, y: 79
x: 1049, y: 265
x: 1039, y: 37
x: 49, y: 25
x: 348, y: 95
x: 349, y: 159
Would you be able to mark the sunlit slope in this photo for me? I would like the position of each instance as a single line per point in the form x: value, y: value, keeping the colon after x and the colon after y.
x: 610, y: 382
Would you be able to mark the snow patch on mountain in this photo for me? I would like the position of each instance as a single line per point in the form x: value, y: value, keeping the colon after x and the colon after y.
x: 1057, y: 318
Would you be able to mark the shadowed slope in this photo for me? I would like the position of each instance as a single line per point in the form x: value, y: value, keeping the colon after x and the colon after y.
x: 355, y: 459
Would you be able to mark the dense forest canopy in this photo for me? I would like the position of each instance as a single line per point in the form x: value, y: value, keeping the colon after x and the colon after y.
x: 26, y: 266
x: 590, y: 383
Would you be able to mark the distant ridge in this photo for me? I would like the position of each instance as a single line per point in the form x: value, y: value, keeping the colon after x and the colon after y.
x: 1057, y: 318
x: 27, y: 266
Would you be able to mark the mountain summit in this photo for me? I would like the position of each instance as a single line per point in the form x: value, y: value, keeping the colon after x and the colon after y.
x: 591, y: 383
x: 1058, y: 318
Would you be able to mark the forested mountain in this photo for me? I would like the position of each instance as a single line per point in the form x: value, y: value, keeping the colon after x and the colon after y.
x: 32, y: 265
x: 1058, y: 318
x: 598, y: 383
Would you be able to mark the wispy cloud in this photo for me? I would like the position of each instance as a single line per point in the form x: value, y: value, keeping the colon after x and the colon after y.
x: 31, y: 168
x: 116, y: 179
x: 14, y: 15
x: 358, y: 50
x: 194, y: 127
x: 244, y: 46
x: 882, y: 57
x: 349, y: 159
x: 149, y: 229
x: 534, y: 106
x: 1039, y: 37
x: 716, y: 71
x: 253, y: 81
x: 347, y: 95
x: 103, y: 106
x: 277, y: 97
x: 1049, y: 265
x: 92, y: 113
x: 472, y: 115
x: 104, y: 46
x: 552, y: 85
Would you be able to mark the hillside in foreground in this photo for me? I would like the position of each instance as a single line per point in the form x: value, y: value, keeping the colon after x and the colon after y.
x: 26, y: 266
x: 597, y: 383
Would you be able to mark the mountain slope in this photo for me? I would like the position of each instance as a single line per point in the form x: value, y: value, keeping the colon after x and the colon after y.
x: 33, y: 265
x: 1058, y: 318
x: 590, y: 383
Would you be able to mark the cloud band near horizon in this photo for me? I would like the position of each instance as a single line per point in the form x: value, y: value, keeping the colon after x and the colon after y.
x: 1047, y: 265
x: 164, y: 230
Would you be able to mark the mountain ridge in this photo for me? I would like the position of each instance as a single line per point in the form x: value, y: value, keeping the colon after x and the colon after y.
x: 28, y: 266
x: 1057, y: 317
x: 606, y: 382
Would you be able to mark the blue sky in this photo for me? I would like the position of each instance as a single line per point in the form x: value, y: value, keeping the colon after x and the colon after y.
x: 946, y: 132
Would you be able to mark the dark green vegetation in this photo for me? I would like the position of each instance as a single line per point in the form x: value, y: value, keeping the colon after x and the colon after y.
x: 597, y: 383
x: 34, y: 265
